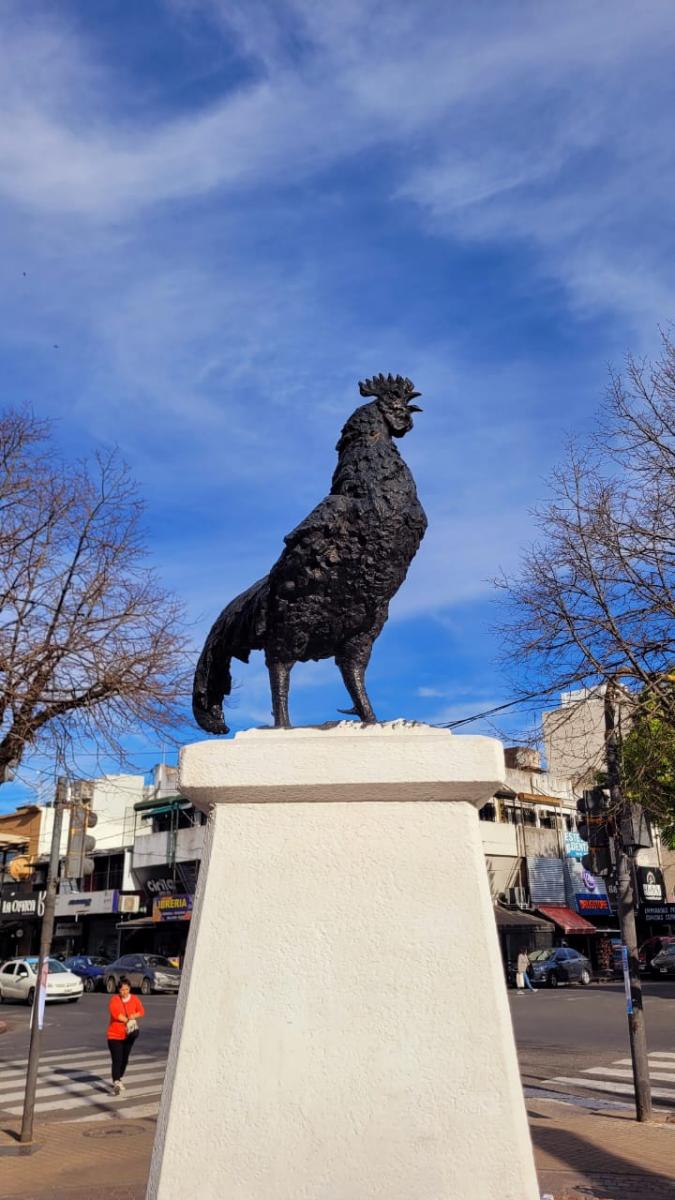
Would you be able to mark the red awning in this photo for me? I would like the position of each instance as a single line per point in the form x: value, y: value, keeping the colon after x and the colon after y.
x: 566, y: 919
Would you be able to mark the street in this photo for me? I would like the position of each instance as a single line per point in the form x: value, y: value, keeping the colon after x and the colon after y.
x: 74, y: 1078
x: 572, y: 1044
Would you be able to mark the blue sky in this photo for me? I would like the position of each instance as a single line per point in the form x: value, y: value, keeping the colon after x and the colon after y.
x: 226, y: 213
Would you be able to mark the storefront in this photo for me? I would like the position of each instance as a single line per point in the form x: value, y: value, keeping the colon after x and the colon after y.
x: 518, y: 931
x: 86, y: 922
x: 21, y: 912
x: 165, y: 932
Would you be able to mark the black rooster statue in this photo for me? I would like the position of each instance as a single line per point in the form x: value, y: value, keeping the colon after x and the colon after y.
x: 328, y: 595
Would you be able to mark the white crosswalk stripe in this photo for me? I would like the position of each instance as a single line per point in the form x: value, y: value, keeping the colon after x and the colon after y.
x: 74, y: 1085
x: 614, y: 1079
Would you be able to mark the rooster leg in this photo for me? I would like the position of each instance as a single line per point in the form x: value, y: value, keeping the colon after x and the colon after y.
x: 279, y: 677
x: 352, y: 661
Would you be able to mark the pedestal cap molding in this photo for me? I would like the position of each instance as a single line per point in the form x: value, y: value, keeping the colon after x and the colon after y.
x: 397, y: 760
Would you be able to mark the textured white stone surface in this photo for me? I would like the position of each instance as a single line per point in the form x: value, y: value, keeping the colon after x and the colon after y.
x: 399, y: 760
x: 343, y: 1030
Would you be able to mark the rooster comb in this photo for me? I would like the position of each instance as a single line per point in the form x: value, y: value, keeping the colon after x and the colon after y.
x: 394, y: 386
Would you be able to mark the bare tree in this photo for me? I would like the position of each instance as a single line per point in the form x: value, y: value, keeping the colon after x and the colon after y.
x: 91, y: 645
x: 594, y: 603
x: 595, y: 596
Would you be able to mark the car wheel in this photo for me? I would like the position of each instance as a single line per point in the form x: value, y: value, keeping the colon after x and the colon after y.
x: 30, y: 997
x: 146, y: 987
x: 110, y: 985
x: 585, y: 977
x: 89, y: 984
x: 553, y: 979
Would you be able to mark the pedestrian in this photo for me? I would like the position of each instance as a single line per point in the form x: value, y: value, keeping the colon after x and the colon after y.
x: 522, y: 972
x: 125, y: 1013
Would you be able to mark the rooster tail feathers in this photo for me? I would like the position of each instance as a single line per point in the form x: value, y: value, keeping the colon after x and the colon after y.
x: 239, y: 629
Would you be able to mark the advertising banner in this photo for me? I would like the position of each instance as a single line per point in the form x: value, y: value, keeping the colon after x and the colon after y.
x: 587, y: 893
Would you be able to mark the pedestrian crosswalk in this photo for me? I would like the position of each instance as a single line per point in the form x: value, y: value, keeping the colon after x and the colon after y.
x: 612, y: 1081
x: 74, y: 1085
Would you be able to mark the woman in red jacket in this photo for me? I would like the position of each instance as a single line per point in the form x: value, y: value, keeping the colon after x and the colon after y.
x: 125, y: 1013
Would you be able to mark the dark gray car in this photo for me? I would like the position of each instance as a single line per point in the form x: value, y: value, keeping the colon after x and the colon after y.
x: 560, y: 964
x: 147, y: 972
x: 663, y: 963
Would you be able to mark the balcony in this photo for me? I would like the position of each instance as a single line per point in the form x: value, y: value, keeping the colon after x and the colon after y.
x: 154, y: 849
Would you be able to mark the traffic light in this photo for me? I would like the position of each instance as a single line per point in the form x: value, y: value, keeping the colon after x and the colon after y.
x: 593, y: 818
x: 634, y: 827
x: 78, y: 862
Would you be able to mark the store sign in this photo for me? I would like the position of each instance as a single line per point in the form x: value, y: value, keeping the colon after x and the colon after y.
x: 87, y: 903
x: 658, y: 912
x: 575, y: 846
x: 28, y: 904
x: 172, y: 908
x: 588, y: 905
x: 650, y: 884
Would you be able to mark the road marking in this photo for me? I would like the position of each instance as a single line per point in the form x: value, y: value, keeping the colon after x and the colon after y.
x: 81, y: 1086
x: 626, y: 1073
x: 59, y: 1064
x: 597, y: 1085
x: 60, y: 1104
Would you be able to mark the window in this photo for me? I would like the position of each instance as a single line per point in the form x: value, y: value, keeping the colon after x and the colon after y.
x: 9, y: 968
x: 529, y: 816
x: 107, y: 873
x: 487, y: 812
x: 547, y: 819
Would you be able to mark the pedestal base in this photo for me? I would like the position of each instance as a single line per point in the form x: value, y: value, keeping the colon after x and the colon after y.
x: 343, y: 1030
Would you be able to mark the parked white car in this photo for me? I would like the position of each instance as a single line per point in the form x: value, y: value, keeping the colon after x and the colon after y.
x: 18, y: 981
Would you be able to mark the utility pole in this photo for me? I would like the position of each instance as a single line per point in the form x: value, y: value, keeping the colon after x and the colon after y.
x: 626, y: 901
x: 46, y: 934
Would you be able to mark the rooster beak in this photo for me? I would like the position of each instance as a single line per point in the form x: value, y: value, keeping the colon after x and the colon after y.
x: 415, y: 408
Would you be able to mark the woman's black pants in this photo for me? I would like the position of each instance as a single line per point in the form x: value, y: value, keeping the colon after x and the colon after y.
x: 120, y: 1049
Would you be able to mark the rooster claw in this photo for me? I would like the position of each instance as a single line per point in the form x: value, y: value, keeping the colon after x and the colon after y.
x: 349, y: 712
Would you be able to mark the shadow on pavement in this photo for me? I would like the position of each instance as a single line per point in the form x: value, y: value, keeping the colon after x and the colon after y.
x: 610, y: 1175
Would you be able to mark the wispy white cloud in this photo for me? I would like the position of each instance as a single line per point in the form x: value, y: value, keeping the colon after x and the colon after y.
x: 218, y: 273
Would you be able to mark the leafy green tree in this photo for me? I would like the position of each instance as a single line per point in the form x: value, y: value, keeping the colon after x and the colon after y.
x: 648, y: 763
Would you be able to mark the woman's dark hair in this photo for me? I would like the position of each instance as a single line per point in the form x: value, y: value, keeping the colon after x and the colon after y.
x: 121, y: 981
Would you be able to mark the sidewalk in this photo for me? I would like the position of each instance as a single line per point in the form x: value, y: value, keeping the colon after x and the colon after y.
x: 580, y: 1156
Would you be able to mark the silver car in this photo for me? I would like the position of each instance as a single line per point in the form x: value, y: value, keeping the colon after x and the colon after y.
x: 147, y: 972
x: 18, y: 981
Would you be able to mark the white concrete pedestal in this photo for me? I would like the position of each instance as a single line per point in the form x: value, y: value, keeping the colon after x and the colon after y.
x: 343, y: 1030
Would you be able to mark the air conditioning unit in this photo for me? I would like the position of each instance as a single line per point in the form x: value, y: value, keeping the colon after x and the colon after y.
x: 128, y: 904
x: 517, y: 897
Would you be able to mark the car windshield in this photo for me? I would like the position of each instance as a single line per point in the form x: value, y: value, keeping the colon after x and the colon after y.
x: 154, y: 960
x: 95, y: 960
x: 53, y: 965
x: 541, y: 955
